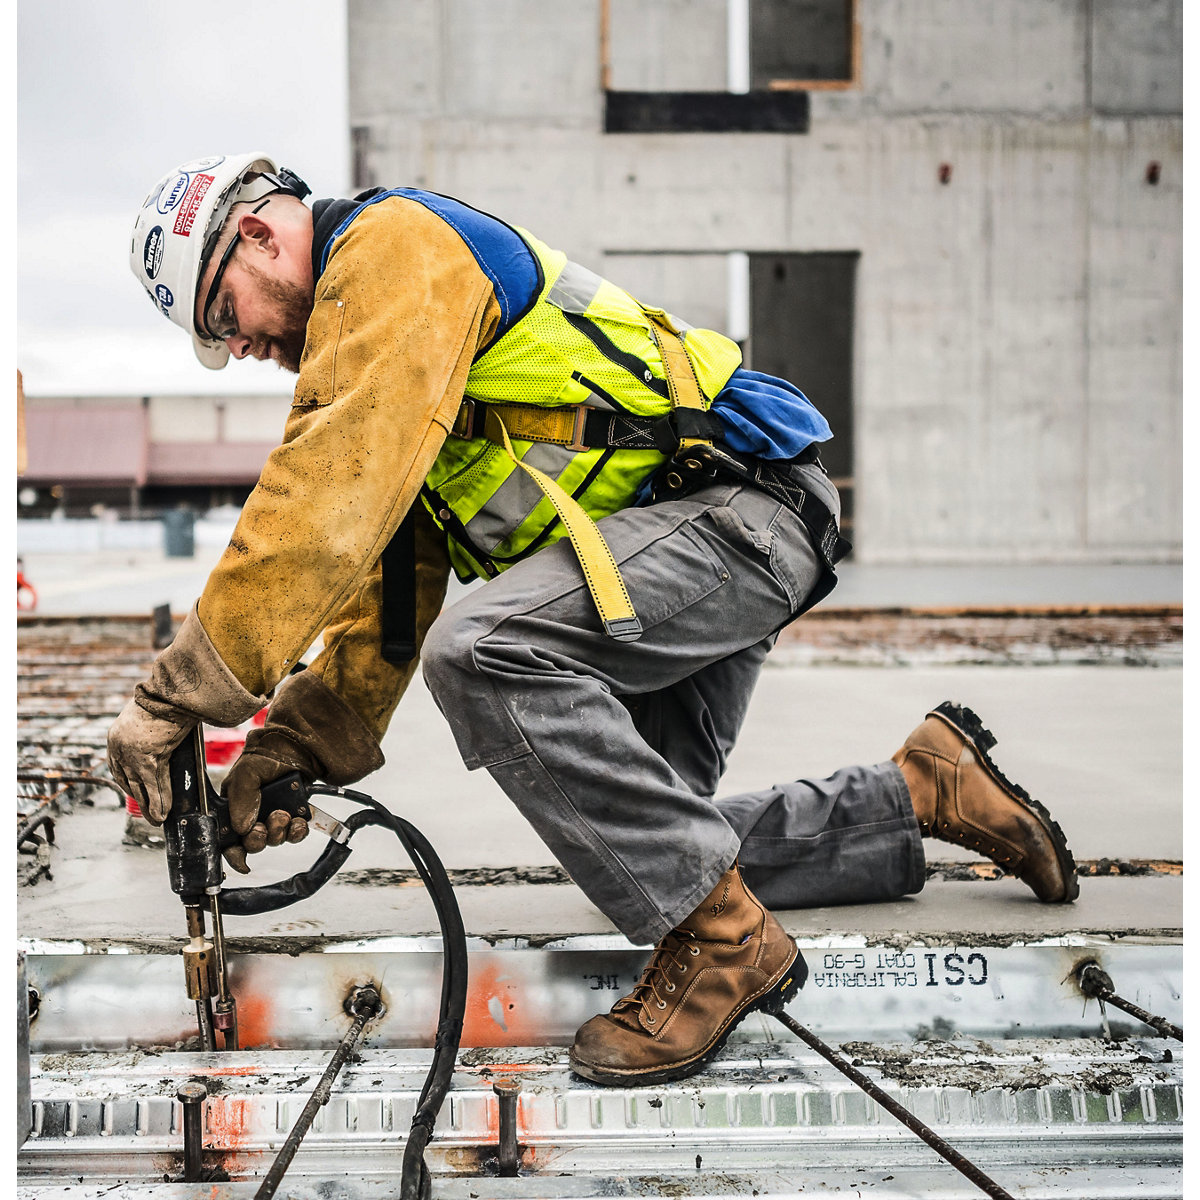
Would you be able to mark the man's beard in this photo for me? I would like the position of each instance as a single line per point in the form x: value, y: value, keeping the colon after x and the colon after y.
x: 295, y: 305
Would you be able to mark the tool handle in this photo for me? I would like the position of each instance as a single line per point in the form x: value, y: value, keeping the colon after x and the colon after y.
x: 289, y: 793
x: 190, y: 832
x: 188, y: 776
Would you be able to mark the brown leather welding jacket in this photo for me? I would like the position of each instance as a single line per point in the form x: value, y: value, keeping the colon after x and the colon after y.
x: 401, y: 310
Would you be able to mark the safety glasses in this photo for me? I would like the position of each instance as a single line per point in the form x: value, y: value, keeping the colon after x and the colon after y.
x: 222, y: 325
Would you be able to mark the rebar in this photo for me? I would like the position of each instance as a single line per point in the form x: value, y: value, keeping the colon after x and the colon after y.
x: 364, y: 1003
x: 1097, y: 984
x: 985, y: 1184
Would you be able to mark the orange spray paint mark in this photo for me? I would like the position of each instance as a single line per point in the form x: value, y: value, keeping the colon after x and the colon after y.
x: 255, y: 1018
x: 228, y: 1122
x: 494, y: 1013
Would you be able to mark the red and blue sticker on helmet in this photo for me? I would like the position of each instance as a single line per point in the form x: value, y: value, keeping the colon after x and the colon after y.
x: 190, y: 203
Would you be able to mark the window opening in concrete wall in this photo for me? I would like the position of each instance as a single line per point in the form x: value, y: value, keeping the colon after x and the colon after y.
x: 683, y: 66
x: 801, y: 328
x: 808, y: 44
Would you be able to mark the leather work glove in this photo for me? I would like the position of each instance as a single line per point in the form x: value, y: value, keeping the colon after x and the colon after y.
x: 188, y: 683
x: 310, y: 729
x: 266, y: 757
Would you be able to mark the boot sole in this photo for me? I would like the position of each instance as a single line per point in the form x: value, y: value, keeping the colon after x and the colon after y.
x: 967, y: 723
x: 773, y: 1000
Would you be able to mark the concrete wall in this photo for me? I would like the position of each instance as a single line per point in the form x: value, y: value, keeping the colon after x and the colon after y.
x: 1018, y: 330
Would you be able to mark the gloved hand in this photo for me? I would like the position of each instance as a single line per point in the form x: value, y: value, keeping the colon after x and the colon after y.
x: 310, y: 729
x: 188, y: 683
x: 266, y: 757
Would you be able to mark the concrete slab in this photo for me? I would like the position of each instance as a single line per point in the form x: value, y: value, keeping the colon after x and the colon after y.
x: 1100, y: 746
x: 102, y: 889
x: 1083, y: 740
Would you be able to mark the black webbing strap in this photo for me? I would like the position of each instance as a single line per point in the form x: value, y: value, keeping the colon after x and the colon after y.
x: 821, y: 524
x: 593, y: 428
x: 694, y: 469
x: 398, y: 619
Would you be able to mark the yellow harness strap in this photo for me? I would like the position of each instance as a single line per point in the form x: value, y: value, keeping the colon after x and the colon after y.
x: 681, y: 375
x: 526, y: 422
x: 599, y: 567
x: 563, y: 427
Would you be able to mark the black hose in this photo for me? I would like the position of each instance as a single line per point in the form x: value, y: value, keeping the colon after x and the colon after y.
x: 245, y: 902
x: 415, y: 1181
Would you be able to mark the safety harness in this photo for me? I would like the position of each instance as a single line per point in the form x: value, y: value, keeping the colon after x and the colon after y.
x: 687, y: 433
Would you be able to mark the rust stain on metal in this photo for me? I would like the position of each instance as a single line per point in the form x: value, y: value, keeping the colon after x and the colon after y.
x: 255, y: 1021
x: 494, y: 1015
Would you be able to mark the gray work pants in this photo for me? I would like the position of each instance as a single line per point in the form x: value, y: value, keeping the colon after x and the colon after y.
x: 613, y: 750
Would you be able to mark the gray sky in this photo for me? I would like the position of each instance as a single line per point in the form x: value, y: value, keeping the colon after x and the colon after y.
x: 111, y: 95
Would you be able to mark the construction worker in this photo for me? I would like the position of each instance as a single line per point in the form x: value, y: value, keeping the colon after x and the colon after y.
x: 648, y: 515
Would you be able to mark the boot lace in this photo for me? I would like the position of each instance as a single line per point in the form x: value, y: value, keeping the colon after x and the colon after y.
x: 671, y: 960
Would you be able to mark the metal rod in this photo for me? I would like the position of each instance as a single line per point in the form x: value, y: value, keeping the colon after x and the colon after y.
x: 364, y: 1003
x: 62, y: 777
x: 192, y: 1096
x: 43, y: 818
x: 985, y: 1184
x: 1095, y: 982
x: 510, y: 1152
x: 204, y: 1020
x: 226, y: 1005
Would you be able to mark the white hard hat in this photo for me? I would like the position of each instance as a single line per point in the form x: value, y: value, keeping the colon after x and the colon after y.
x: 177, y: 228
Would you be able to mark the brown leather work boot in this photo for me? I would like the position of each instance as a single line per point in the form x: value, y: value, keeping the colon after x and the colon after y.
x: 728, y: 958
x: 959, y: 795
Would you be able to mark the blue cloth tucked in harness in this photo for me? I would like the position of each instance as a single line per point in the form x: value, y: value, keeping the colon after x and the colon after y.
x: 768, y: 417
x: 763, y: 416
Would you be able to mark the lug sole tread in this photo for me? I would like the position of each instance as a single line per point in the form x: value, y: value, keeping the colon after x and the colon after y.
x: 967, y: 723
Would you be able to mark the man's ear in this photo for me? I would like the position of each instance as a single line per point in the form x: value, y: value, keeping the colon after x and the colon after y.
x: 259, y: 234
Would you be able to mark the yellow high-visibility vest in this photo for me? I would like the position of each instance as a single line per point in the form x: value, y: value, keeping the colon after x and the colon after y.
x: 583, y: 341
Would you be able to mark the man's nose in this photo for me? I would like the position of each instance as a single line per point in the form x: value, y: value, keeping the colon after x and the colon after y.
x: 239, y: 345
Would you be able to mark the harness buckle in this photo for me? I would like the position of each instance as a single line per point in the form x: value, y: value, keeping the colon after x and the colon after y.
x: 577, y: 430
x: 464, y: 422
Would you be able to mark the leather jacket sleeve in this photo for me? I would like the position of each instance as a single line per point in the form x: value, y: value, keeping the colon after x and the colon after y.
x: 400, y: 312
x: 350, y: 663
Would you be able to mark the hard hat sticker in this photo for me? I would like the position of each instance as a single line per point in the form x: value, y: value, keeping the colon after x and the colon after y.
x: 152, y: 252
x: 165, y: 296
x: 191, y: 203
x: 172, y: 192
